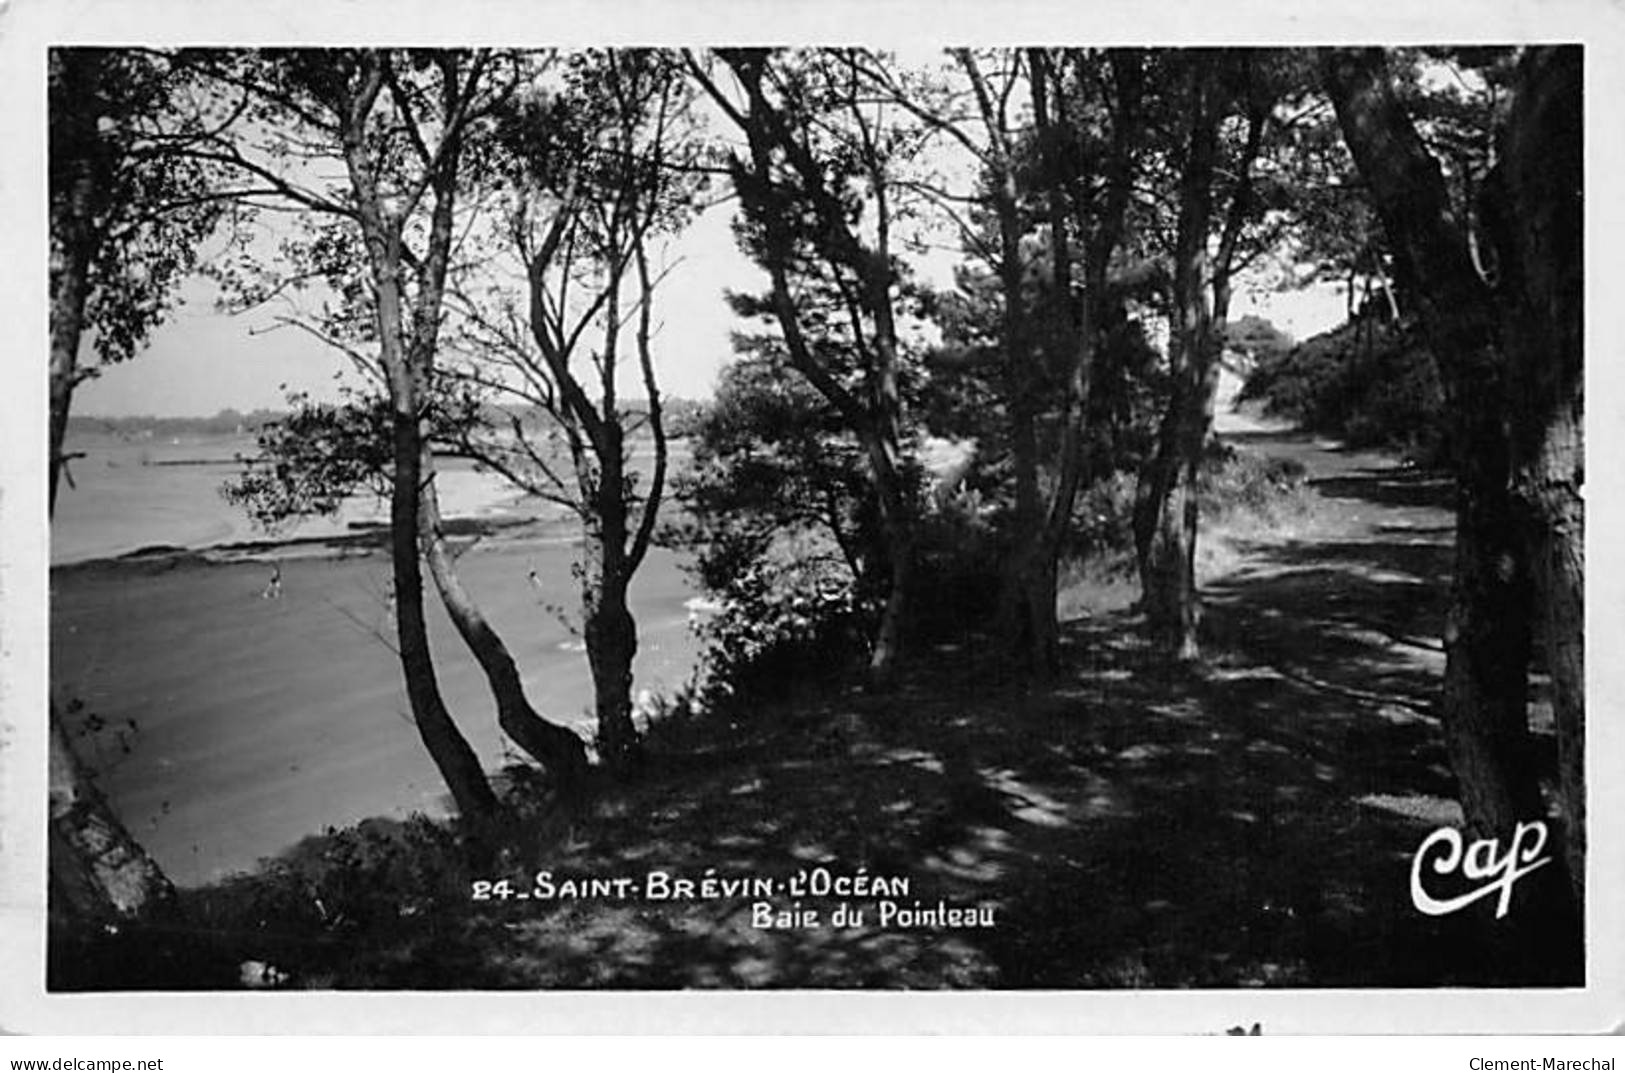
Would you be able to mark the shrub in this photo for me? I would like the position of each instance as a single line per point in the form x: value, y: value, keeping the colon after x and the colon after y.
x: 1103, y: 518
x: 1373, y: 383
x: 1234, y: 481
x: 1258, y: 338
x: 781, y: 622
x: 344, y: 880
x: 1102, y: 531
x: 958, y: 568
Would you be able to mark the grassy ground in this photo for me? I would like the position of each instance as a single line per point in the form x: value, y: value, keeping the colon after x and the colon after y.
x: 1246, y: 822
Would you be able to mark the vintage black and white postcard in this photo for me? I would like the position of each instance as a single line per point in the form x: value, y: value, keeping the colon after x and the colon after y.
x: 1078, y: 518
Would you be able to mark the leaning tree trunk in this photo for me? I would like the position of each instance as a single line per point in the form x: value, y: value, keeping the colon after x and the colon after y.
x: 1535, y: 211
x: 97, y: 871
x: 556, y: 748
x: 80, y: 189
x: 878, y: 425
x: 1487, y: 640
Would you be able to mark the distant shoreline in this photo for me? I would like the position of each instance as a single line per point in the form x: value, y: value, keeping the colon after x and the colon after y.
x: 146, y: 501
x: 361, y: 538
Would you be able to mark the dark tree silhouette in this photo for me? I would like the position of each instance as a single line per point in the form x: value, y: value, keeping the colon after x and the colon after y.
x: 803, y: 220
x: 128, y: 208
x: 1509, y: 351
x: 1535, y: 214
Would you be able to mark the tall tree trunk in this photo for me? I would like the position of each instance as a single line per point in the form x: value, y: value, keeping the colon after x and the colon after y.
x: 884, y: 446
x: 898, y: 533
x: 612, y: 636
x: 1165, y: 515
x: 455, y: 759
x: 1025, y: 622
x: 1487, y: 638
x: 612, y: 644
x: 556, y: 748
x: 407, y: 370
x: 1104, y: 388
x: 873, y: 268
x: 1487, y: 645
x: 1026, y: 625
x: 1535, y: 211
x: 71, y: 251
x: 1072, y: 323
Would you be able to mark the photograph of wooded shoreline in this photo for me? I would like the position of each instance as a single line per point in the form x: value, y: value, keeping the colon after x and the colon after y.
x: 1057, y: 517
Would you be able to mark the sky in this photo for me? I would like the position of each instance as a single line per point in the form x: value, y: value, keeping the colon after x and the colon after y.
x: 201, y: 361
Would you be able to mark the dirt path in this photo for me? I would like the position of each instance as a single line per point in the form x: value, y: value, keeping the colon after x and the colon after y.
x: 1346, y: 593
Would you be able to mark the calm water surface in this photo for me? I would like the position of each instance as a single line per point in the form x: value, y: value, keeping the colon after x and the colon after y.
x: 227, y: 726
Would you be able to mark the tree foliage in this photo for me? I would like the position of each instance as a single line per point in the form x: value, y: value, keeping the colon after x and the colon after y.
x: 771, y: 461
x: 816, y: 180
x: 125, y: 193
x: 597, y: 170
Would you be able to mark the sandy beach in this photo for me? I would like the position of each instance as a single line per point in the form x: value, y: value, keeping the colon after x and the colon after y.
x: 228, y: 726
x: 256, y: 721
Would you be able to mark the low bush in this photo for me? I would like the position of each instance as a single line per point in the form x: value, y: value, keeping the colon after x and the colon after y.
x: 1234, y: 481
x: 780, y: 623
x: 1373, y: 383
x: 1103, y: 519
x: 1100, y: 542
x: 958, y: 569
x: 344, y: 881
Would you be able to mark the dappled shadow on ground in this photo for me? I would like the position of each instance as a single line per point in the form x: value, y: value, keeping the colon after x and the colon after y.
x: 1389, y: 487
x: 1274, y: 437
x: 1249, y: 821
x: 1140, y: 824
x: 1137, y: 824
